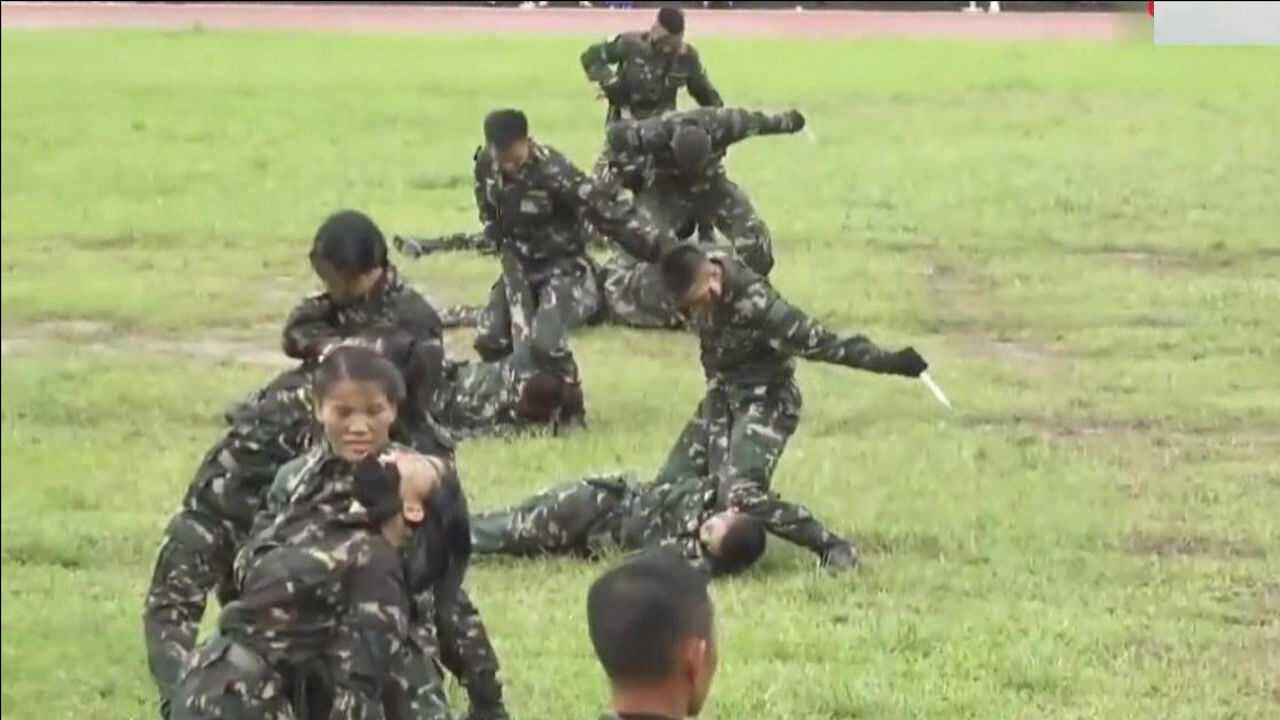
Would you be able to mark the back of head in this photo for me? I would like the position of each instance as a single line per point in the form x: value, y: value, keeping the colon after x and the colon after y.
x: 441, y: 549
x: 671, y: 19
x: 640, y: 612
x: 690, y: 147
x: 540, y: 397
x: 741, y: 546
x: 502, y: 128
x: 679, y: 268
x: 350, y: 242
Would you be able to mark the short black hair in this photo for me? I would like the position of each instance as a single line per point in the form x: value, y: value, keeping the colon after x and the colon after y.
x: 690, y: 147
x: 742, y: 545
x: 541, y: 395
x: 504, y: 127
x: 679, y: 268
x: 361, y: 364
x: 672, y: 20
x: 639, y: 611
x: 350, y: 242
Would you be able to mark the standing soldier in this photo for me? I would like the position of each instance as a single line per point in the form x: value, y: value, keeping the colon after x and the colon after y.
x: 749, y: 336
x: 641, y: 72
x: 532, y: 201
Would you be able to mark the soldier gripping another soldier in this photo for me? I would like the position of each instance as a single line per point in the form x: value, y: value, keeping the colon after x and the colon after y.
x: 330, y: 519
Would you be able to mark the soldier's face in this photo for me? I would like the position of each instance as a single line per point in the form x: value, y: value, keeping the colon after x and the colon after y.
x: 663, y: 41
x: 513, y: 159
x: 357, y: 418
x: 345, y: 288
x: 706, y: 289
x: 712, y: 532
x: 420, y: 475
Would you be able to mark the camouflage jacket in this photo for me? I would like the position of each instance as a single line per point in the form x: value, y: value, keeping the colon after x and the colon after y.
x: 639, y: 151
x: 669, y: 515
x: 537, y: 215
x: 749, y: 337
x: 237, y: 471
x: 646, y: 81
x: 392, y: 308
x: 339, y: 599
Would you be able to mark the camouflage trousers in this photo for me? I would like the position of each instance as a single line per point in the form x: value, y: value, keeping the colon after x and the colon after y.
x: 720, y: 203
x: 564, y: 297
x: 224, y: 680
x: 736, y: 435
x: 195, y: 559
x: 633, y: 297
x: 449, y: 634
x: 581, y: 518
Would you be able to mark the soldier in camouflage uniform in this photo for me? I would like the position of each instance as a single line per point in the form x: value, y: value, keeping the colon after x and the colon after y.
x: 641, y: 72
x: 749, y: 336
x: 676, y: 162
x: 318, y: 485
x: 611, y: 511
x: 534, y: 202
x: 366, y: 303
x: 506, y: 398
x: 330, y: 605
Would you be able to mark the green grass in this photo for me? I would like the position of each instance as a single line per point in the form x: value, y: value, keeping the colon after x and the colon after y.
x: 1082, y: 238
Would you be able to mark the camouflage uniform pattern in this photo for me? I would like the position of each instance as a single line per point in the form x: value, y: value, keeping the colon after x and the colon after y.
x: 749, y: 339
x: 633, y: 296
x: 338, y: 602
x: 479, y: 399
x: 640, y: 157
x: 607, y: 511
x: 548, y: 284
x: 644, y: 79
x: 318, y: 486
x: 215, y: 518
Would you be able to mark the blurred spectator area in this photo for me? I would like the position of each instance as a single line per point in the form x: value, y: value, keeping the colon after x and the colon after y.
x: 1134, y: 7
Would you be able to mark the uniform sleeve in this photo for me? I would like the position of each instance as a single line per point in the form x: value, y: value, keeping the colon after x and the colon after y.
x: 486, y: 210
x: 736, y: 124
x: 616, y: 218
x: 599, y: 59
x: 789, y: 521
x: 277, y: 497
x: 790, y: 330
x: 700, y: 87
x: 308, y: 328
x: 372, y: 633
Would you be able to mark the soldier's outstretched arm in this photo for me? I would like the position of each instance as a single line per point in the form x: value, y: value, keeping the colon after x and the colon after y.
x: 789, y: 329
x: 700, y: 87
x: 737, y: 124
x: 373, y: 632
x: 307, y: 330
x: 616, y: 218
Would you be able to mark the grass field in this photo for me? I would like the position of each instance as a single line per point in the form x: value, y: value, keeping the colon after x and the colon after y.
x: 1081, y: 238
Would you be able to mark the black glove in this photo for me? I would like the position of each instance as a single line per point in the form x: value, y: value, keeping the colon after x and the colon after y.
x: 905, y: 362
x: 794, y: 120
x: 377, y: 488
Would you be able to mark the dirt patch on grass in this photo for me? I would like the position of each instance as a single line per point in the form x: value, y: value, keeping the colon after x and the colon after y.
x: 1175, y: 543
x: 257, y: 345
x: 1168, y: 261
